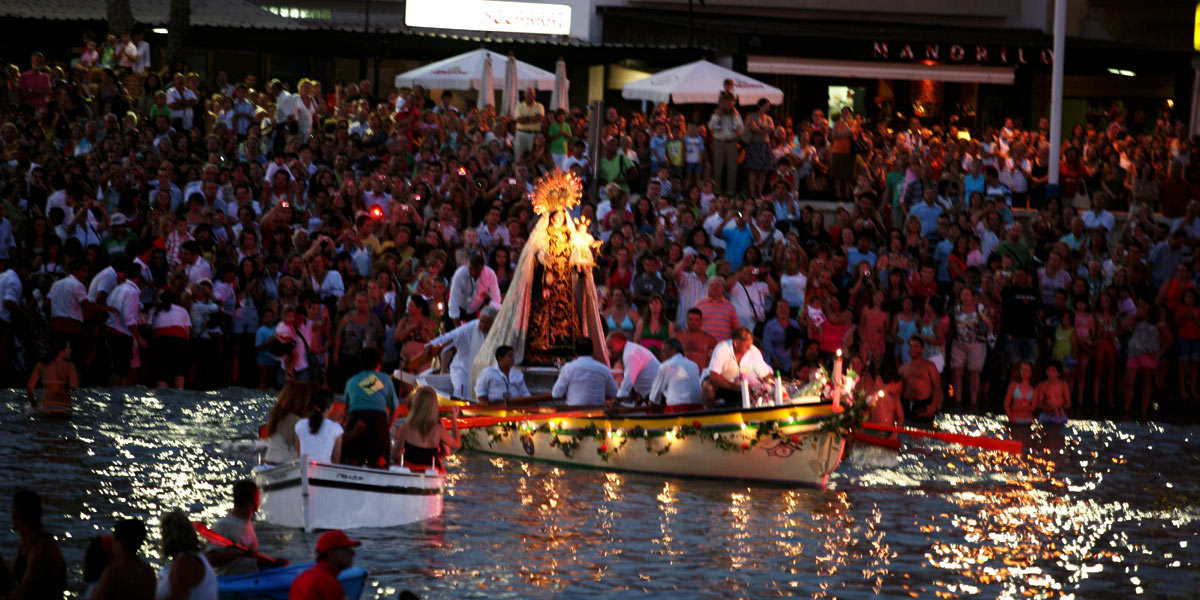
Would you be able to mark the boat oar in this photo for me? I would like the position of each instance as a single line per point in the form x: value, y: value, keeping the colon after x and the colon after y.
x: 217, y: 539
x: 469, y: 422
x: 987, y: 443
x: 875, y: 440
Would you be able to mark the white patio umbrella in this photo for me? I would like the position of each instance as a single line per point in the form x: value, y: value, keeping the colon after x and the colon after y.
x: 462, y: 73
x: 487, y: 86
x: 558, y: 98
x: 699, y: 82
x: 509, y: 94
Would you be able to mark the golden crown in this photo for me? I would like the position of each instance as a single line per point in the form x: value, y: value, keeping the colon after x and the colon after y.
x: 556, y: 191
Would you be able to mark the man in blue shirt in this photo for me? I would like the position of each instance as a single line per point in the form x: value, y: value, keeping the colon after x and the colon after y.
x: 928, y: 212
x: 860, y: 252
x: 736, y: 238
x: 370, y: 401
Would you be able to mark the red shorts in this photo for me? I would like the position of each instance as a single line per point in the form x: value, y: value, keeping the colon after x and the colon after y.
x: 1142, y: 361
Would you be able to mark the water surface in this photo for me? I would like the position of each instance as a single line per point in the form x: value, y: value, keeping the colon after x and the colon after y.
x: 1094, y: 510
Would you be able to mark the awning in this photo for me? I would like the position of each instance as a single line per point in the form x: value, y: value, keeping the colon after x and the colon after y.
x: 860, y: 69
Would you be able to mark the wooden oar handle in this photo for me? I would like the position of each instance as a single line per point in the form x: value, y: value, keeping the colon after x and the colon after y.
x: 220, y: 540
x: 425, y: 356
x: 532, y: 399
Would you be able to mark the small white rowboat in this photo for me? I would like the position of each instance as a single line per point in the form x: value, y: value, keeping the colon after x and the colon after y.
x: 314, y: 495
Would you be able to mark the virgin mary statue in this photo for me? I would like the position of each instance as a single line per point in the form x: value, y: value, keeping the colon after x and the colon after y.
x: 552, y: 299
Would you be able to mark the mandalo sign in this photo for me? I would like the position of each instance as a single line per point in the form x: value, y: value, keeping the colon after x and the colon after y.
x: 958, y: 53
x: 489, y: 15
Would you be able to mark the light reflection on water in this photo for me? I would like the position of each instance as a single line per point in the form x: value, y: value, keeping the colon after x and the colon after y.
x: 1095, y: 510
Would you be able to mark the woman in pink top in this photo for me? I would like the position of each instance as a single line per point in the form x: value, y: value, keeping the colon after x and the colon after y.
x: 1085, y: 325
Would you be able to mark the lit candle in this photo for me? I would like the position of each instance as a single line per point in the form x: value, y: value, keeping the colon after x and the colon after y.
x: 837, y: 369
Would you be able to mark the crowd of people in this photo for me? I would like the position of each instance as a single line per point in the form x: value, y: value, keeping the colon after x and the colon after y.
x: 202, y: 232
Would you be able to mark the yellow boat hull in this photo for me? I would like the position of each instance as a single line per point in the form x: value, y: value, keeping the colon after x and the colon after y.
x: 783, y: 445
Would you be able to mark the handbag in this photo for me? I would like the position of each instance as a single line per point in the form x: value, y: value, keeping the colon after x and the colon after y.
x: 281, y: 348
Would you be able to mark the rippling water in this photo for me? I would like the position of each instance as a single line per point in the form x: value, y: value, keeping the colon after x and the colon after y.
x: 1095, y: 510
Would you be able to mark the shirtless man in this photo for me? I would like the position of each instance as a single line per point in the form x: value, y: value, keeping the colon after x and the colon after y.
x: 127, y: 576
x: 697, y: 343
x: 1053, y: 396
x: 922, y: 384
x: 39, y: 570
x: 58, y: 378
x: 886, y: 408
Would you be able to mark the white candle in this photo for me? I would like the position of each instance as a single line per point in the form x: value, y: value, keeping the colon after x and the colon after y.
x: 745, y: 392
x: 837, y: 369
x: 778, y: 391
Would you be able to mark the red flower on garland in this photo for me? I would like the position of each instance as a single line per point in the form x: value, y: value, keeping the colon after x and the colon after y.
x: 745, y: 446
x: 553, y: 442
x: 604, y: 447
x: 795, y: 439
x: 696, y: 424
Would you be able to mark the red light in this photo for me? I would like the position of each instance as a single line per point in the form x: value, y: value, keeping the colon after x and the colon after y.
x: 376, y: 212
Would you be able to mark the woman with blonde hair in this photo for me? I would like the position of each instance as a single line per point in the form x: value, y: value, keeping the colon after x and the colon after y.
x: 291, y: 406
x: 421, y: 440
x: 187, y: 574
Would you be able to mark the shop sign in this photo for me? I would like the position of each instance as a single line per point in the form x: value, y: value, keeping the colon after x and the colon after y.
x: 961, y: 53
x: 489, y: 15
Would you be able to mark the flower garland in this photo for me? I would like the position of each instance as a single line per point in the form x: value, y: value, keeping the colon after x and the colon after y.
x: 610, y: 442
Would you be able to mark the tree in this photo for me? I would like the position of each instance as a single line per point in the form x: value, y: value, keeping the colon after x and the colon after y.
x: 179, y: 21
x: 120, y: 17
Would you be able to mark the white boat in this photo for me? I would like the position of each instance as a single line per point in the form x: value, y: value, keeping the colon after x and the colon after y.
x: 314, y: 495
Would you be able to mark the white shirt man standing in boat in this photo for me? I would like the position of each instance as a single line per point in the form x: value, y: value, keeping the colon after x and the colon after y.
x: 677, y: 381
x: 732, y: 360
x: 473, y: 286
x: 502, y: 380
x: 639, y: 363
x: 466, y: 340
x: 238, y: 527
x: 584, y: 381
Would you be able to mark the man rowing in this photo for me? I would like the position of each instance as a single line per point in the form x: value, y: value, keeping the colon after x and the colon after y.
x: 584, y: 381
x: 238, y: 527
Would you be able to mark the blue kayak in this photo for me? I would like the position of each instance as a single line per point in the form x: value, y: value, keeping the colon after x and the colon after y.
x: 274, y: 583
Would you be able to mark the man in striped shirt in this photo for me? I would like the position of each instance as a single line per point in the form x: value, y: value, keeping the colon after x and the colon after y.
x: 719, y: 316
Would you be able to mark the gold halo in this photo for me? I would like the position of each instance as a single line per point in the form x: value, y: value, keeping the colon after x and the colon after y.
x: 556, y: 191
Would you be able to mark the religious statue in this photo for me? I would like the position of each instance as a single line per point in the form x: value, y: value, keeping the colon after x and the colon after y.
x: 552, y: 300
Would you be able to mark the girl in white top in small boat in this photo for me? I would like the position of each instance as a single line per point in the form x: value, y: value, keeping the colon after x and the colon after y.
x: 318, y: 437
x: 421, y: 440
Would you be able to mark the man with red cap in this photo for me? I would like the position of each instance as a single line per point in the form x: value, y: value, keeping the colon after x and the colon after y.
x: 335, y: 553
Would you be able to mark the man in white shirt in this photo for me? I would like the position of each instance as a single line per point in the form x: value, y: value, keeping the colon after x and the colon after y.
x: 748, y: 295
x: 677, y: 381
x: 103, y: 283
x: 585, y: 381
x: 732, y: 360
x: 529, y: 115
x: 466, y: 340
x: 501, y: 381
x: 10, y: 308
x: 67, y: 298
x: 182, y: 100
x: 639, y: 363
x: 1097, y: 217
x: 193, y: 263
x: 122, y: 326
x: 473, y: 286
x: 143, y: 50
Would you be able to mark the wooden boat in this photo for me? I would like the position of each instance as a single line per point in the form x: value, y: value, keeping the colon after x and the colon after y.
x: 275, y: 583
x: 313, y: 495
x: 781, y: 444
